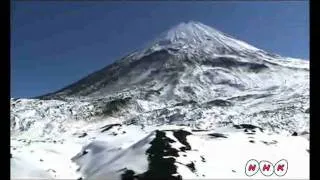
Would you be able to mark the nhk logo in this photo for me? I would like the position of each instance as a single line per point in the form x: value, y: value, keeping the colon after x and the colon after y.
x: 266, y: 167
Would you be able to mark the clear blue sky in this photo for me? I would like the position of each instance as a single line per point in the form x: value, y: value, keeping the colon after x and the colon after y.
x: 56, y: 43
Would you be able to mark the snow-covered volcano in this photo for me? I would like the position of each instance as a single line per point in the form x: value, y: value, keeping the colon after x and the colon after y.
x: 191, y: 77
x: 189, y: 53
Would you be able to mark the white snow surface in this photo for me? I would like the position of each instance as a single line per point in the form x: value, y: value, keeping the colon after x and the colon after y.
x: 192, y: 77
x: 110, y: 155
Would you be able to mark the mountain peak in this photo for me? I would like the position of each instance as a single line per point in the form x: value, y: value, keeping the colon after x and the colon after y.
x: 192, y: 29
x: 195, y: 35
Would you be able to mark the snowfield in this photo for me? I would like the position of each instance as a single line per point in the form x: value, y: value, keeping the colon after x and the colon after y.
x: 195, y: 104
x: 218, y: 153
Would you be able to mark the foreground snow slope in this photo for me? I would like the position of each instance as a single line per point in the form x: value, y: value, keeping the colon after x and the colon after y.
x: 218, y: 153
x: 192, y: 77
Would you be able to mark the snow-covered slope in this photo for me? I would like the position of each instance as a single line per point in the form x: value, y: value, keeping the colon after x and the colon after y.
x: 191, y: 76
x: 193, y: 155
x: 166, y: 152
